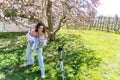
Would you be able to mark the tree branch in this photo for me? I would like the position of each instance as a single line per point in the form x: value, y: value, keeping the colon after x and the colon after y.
x: 49, y: 15
x: 61, y: 20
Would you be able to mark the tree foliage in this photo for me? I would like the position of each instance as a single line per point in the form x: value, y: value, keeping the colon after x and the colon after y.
x: 52, y: 13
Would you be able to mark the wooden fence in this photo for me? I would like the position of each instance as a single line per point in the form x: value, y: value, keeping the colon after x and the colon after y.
x: 104, y: 23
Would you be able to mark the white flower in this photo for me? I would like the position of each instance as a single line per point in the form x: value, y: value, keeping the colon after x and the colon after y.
x: 51, y: 32
x: 52, y: 0
x: 17, y: 6
x: 1, y: 14
x: 7, y: 18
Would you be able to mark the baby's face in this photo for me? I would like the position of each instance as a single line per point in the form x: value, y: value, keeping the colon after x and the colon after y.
x: 41, y: 37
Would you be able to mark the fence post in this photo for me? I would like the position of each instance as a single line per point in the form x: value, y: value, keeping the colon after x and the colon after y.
x: 108, y: 24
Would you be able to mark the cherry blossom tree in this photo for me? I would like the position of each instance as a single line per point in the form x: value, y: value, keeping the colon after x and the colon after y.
x: 52, y: 13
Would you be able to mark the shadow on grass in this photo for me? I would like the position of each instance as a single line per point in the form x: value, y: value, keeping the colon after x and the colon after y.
x: 75, y: 56
x: 21, y: 73
x: 9, y: 39
x: 11, y: 35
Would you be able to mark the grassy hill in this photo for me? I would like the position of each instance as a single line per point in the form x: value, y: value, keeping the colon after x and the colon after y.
x: 88, y: 55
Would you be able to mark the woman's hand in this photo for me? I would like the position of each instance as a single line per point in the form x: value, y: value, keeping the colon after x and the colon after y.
x: 31, y: 42
x: 40, y: 47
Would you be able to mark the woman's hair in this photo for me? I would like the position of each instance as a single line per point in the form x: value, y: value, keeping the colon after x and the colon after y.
x: 38, y: 26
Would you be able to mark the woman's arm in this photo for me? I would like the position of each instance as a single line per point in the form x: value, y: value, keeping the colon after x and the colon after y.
x: 40, y: 47
x: 44, y: 44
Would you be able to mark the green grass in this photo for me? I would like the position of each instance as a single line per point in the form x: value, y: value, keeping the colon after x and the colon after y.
x: 107, y: 48
x: 91, y: 55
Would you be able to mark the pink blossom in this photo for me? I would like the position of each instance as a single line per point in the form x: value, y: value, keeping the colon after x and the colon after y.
x: 55, y: 14
x: 1, y: 2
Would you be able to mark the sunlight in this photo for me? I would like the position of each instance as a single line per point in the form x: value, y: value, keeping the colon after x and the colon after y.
x: 2, y: 76
x: 109, y: 8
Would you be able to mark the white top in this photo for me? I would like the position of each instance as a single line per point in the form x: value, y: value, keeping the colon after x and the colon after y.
x: 31, y: 39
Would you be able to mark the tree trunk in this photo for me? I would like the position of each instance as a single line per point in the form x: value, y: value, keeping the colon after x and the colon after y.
x: 52, y: 37
x: 50, y: 26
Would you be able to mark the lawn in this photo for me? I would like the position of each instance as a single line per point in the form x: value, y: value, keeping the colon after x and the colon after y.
x: 88, y: 55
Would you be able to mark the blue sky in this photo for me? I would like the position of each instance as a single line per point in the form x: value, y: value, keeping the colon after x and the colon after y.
x: 109, y: 8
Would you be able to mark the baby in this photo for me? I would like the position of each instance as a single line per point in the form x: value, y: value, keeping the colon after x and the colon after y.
x: 35, y: 42
x: 42, y: 40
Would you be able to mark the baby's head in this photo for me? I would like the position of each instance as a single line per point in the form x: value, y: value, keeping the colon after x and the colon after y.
x: 41, y: 37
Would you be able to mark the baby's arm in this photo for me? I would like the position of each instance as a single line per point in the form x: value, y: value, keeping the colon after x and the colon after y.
x: 44, y: 44
x: 40, y: 47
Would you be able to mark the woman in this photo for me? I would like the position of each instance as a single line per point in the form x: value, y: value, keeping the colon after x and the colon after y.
x: 35, y: 34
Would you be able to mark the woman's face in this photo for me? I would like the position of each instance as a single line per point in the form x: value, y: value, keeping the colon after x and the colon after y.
x: 40, y: 29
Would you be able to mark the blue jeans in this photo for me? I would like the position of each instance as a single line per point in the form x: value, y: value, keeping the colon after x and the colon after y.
x: 30, y: 59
